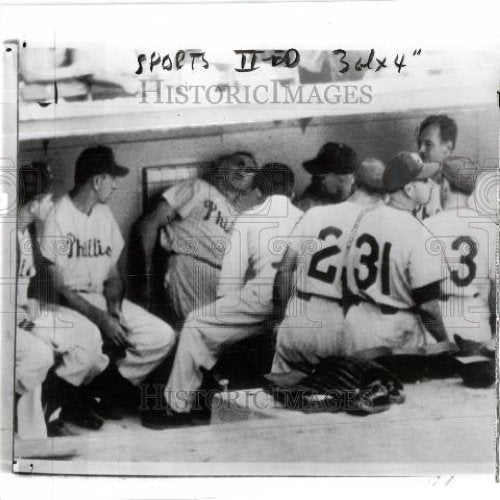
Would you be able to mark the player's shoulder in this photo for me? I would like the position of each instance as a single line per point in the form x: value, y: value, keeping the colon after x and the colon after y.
x: 62, y: 207
x: 103, y: 214
x: 395, y: 220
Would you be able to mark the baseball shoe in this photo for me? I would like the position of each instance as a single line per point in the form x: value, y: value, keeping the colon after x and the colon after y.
x: 58, y: 428
x: 80, y: 415
x: 164, y: 419
x: 107, y: 410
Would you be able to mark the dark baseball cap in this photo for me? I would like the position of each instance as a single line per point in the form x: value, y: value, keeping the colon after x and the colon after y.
x: 461, y: 173
x: 406, y: 167
x: 333, y: 158
x: 96, y: 161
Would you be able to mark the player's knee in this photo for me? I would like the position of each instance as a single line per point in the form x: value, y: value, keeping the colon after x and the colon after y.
x: 46, y: 357
x: 35, y: 370
x: 162, y: 335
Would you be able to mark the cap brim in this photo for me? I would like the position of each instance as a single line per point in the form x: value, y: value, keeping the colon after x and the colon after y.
x: 311, y: 166
x: 428, y: 170
x: 120, y: 171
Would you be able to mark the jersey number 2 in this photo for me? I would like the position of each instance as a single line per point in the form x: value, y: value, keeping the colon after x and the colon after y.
x: 370, y: 262
x: 329, y: 275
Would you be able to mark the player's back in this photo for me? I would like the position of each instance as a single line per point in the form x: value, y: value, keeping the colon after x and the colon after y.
x: 469, y: 242
x: 389, y: 258
x: 258, y: 242
x: 321, y: 239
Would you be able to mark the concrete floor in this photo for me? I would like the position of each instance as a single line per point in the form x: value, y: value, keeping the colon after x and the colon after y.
x: 443, y: 427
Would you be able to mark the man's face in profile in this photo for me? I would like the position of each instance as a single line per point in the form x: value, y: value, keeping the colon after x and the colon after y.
x: 430, y: 146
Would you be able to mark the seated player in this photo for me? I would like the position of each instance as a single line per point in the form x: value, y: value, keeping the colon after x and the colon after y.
x: 42, y: 337
x: 244, y: 306
x: 313, y: 325
x: 82, y: 244
x: 394, y: 277
x: 469, y: 242
x: 195, y: 219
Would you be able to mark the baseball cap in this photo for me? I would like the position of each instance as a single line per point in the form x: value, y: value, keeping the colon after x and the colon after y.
x: 460, y: 172
x: 406, y: 167
x: 95, y: 161
x: 332, y: 158
x: 369, y: 174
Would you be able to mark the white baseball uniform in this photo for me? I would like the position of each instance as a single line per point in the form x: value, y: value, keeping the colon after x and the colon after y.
x: 84, y: 248
x: 313, y: 325
x: 245, y: 292
x: 390, y: 262
x: 469, y: 241
x: 196, y: 243
x: 40, y: 336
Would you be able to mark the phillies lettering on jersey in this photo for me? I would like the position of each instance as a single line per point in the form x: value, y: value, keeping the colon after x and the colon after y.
x: 224, y: 222
x: 205, y: 221
x: 93, y: 247
x: 83, y: 247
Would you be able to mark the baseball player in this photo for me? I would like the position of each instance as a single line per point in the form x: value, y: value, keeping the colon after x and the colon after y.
x: 332, y: 176
x: 436, y: 141
x: 34, y: 357
x: 194, y: 219
x: 313, y: 325
x: 244, y: 305
x: 469, y: 242
x: 82, y: 243
x: 392, y: 273
x: 41, y: 335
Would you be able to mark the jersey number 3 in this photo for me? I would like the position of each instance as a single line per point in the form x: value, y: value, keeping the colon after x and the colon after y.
x: 370, y: 262
x: 329, y: 275
x: 467, y: 260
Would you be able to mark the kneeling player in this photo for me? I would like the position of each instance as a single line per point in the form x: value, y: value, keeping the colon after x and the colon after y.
x: 469, y: 241
x: 391, y: 271
x: 313, y: 325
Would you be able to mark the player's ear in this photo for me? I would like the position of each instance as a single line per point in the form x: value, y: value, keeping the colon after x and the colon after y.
x: 96, y: 181
x: 448, y: 146
x: 408, y: 189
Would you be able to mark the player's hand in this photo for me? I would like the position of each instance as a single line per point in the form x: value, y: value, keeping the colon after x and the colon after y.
x: 114, y: 331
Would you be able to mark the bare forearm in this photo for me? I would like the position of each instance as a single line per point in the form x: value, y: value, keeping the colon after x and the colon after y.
x: 114, y: 292
x: 72, y: 299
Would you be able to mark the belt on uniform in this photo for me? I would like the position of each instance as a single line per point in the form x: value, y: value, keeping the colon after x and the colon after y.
x: 196, y: 257
x: 384, y: 308
x: 307, y: 296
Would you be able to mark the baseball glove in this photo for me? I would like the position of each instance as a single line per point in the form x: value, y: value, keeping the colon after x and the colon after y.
x: 410, y: 365
x: 338, y: 383
x: 475, y: 362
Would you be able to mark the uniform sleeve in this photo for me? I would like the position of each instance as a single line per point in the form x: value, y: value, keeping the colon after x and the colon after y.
x: 54, y: 245
x: 235, y: 262
x: 117, y: 242
x: 183, y: 196
x: 492, y: 249
x: 427, y: 259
